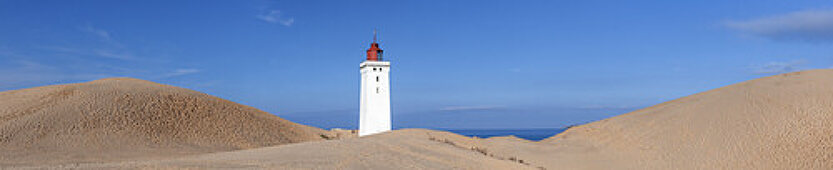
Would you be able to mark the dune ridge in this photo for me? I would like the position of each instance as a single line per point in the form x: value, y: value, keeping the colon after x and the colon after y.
x: 125, y: 118
x: 778, y: 122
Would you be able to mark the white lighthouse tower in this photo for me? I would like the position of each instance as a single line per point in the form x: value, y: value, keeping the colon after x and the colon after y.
x: 374, y: 108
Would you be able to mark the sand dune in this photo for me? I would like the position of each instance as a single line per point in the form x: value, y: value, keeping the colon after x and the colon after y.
x: 127, y: 119
x: 777, y: 122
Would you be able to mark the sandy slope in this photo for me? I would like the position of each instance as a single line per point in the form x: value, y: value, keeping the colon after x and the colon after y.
x: 778, y: 122
x: 401, y: 149
x: 122, y: 118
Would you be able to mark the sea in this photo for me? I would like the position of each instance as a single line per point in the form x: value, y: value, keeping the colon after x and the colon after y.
x: 528, y: 134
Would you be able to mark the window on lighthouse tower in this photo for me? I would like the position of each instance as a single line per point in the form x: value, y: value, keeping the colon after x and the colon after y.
x: 379, y: 54
x: 377, y: 78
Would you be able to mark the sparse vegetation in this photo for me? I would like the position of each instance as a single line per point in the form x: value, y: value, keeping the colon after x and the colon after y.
x: 480, y: 150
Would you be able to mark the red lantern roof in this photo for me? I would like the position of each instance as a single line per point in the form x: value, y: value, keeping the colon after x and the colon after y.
x: 374, y: 53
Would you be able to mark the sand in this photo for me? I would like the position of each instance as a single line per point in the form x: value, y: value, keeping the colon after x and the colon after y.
x: 128, y: 119
x: 777, y: 122
x: 401, y: 149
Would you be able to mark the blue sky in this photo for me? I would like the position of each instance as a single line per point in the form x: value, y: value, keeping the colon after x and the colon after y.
x: 456, y: 64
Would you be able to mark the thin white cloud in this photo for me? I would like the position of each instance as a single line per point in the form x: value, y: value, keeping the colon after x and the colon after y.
x: 778, y: 67
x: 103, y: 34
x: 111, y: 49
x: 181, y: 72
x: 24, y: 73
x: 275, y: 16
x: 108, y: 54
x: 467, y: 108
x: 598, y: 106
x: 808, y: 25
x: 49, y: 64
x: 99, y: 53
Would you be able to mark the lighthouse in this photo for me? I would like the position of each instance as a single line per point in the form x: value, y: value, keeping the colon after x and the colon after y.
x: 374, y: 107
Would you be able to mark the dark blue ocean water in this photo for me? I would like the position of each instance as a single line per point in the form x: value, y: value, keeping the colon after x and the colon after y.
x: 528, y: 134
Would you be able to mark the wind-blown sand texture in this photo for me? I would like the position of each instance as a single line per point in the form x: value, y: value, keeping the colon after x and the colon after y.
x: 126, y: 119
x: 777, y: 122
